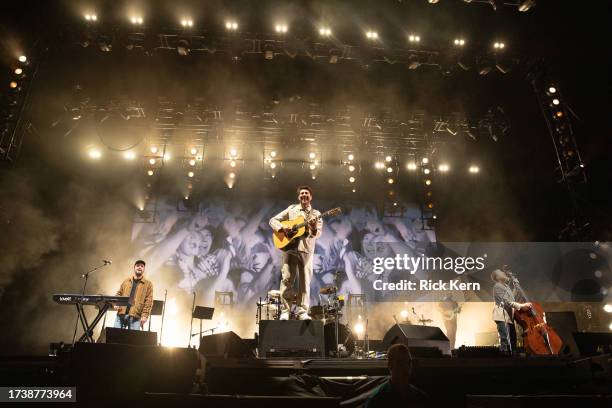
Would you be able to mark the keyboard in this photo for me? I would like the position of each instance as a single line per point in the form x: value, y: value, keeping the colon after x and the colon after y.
x: 71, y: 299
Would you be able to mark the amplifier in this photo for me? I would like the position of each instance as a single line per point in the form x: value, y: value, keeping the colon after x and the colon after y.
x: 291, y: 338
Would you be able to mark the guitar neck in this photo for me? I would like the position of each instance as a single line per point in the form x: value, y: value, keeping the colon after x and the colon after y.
x: 303, y: 224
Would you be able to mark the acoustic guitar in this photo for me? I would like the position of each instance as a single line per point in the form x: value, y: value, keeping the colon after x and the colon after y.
x: 297, y: 229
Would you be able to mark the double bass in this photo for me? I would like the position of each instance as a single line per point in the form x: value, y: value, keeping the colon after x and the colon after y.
x: 538, y: 337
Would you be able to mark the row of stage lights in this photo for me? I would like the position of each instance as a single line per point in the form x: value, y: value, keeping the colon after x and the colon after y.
x: 18, y: 72
x: 283, y: 28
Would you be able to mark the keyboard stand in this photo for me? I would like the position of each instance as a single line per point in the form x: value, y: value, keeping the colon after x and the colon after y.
x: 88, y: 328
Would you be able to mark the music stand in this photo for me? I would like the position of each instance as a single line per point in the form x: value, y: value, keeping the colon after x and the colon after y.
x: 156, y: 310
x: 201, y: 313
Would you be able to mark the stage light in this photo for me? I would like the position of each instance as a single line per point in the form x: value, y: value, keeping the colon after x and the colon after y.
x: 404, y: 314
x: 526, y: 5
x: 351, y: 179
x: 552, y: 90
x: 233, y: 152
x: 91, y: 17
x: 555, y: 102
x: 231, y: 25
x: 136, y: 20
x: 435, y: 217
x: 372, y: 35
x: 193, y: 151
x: 474, y: 169
x: 22, y: 58
x: 351, y: 168
x: 129, y: 155
x: 359, y: 329
x: 426, y: 171
x: 312, y: 167
x: 189, y: 186
x: 460, y: 42
x: 273, y: 153
x: 18, y: 71
x: 433, y: 1
x: 388, y: 159
x: 272, y: 165
x: 428, y: 182
x: 281, y: 28
x: 389, y: 170
x: 167, y: 156
x: 150, y: 172
x: 232, y: 175
x: 154, y: 149
x: 13, y: 85
x: 430, y: 205
x: 233, y: 163
x: 608, y: 308
x: 379, y: 165
x: 390, y: 180
x: 187, y: 23
x: 354, y: 190
x: 425, y: 160
x: 559, y: 114
x: 411, y: 166
x: 351, y: 157
x: 414, y: 38
x: 444, y: 167
x: 314, y: 177
x: 325, y: 31
x: 151, y: 161
x: 499, y: 45
x: 94, y: 153
x: 190, y: 174
x: 312, y: 155
x: 192, y: 162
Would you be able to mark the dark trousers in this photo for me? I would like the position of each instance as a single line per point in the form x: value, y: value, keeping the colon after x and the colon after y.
x: 506, y: 330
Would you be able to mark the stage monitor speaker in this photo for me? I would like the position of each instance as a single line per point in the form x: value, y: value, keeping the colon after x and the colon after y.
x: 227, y: 344
x: 291, y: 338
x: 591, y: 344
x: 564, y: 323
x: 125, y: 336
x: 417, y: 337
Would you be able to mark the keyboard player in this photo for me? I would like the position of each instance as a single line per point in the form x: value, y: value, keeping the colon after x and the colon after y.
x: 140, y: 291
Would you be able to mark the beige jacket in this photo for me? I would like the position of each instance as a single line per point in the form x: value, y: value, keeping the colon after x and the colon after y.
x: 291, y: 213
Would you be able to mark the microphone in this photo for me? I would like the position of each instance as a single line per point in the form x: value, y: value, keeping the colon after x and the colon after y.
x: 107, y: 262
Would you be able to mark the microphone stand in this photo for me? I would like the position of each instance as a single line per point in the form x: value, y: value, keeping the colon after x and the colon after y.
x: 191, y: 325
x: 161, y: 330
x: 86, y: 276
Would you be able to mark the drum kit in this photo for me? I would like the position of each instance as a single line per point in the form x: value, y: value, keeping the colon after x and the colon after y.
x: 339, y: 340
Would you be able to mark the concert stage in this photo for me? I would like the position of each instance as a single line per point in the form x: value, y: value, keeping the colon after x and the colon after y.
x: 159, y: 376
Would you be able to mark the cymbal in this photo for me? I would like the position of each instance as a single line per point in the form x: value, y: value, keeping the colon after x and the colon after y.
x: 274, y: 293
x: 328, y: 290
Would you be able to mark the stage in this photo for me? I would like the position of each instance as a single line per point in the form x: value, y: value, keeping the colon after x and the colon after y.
x: 158, y: 376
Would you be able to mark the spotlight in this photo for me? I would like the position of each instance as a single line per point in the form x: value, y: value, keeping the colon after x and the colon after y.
x: 351, y: 179
x: 272, y: 165
x: 404, y: 314
x: 351, y: 157
x: 433, y: 1
x: 167, y: 156
x: 372, y: 35
x: 389, y: 170
x: 152, y: 161
x: 233, y: 152
x: 233, y: 163
x: 18, y: 71
x: 610, y: 326
x: 379, y: 165
x: 351, y: 168
x: 312, y: 155
x: 136, y: 20
x: 231, y: 25
x: 325, y: 31
x: 435, y: 217
x: 150, y: 172
x: 390, y: 180
x: 428, y: 182
x: 354, y: 190
x: 460, y: 42
x: 314, y: 177
x: 192, y: 162
x: 193, y: 151
x: 559, y: 114
x: 499, y: 45
x: 129, y: 155
x: 608, y: 308
x: 552, y: 90
x: 414, y: 38
x: 281, y: 28
x: 526, y: 5
x: 555, y: 102
x: 359, y: 329
x: 425, y: 160
x: 312, y: 167
x: 187, y: 23
x: 190, y: 174
x: 95, y: 153
x: 91, y: 17
x: 273, y: 153
x: 388, y: 159
x: 13, y: 85
x: 232, y: 175
x: 443, y: 167
x: 22, y: 58
x: 474, y: 169
x: 154, y: 149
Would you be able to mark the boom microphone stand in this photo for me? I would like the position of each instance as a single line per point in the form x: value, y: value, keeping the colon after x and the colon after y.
x: 86, y: 276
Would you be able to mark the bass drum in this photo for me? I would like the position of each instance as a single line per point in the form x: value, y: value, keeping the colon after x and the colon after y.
x: 346, y: 340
